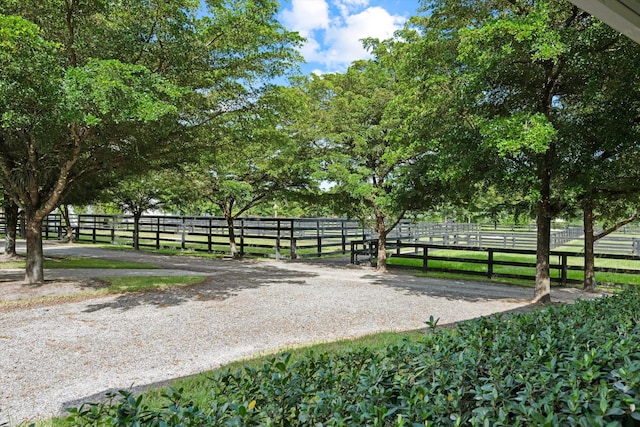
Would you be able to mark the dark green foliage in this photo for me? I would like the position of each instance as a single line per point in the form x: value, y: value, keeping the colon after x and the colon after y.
x: 567, y: 365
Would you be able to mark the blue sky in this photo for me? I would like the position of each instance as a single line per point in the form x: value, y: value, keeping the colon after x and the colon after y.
x: 333, y: 28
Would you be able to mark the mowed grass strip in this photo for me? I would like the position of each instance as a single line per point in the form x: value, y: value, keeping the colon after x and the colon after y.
x: 79, y: 262
x: 601, y: 277
x: 104, y: 286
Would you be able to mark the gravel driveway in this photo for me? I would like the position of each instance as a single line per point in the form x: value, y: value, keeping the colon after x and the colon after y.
x: 58, y: 355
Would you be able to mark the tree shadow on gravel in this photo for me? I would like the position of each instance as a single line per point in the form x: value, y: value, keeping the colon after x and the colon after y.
x: 214, y: 288
x: 453, y: 289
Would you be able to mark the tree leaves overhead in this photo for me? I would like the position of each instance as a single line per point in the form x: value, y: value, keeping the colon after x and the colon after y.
x: 532, y: 80
x: 109, y: 90
x: 90, y: 87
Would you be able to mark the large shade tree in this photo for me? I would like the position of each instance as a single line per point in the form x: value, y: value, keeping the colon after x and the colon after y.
x: 520, y: 67
x: 86, y: 86
x: 253, y: 158
x: 376, y: 163
x: 603, y: 131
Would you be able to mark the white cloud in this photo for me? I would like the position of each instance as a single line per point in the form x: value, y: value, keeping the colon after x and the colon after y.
x: 344, y: 43
x: 347, y: 6
x: 334, y: 39
x: 306, y: 16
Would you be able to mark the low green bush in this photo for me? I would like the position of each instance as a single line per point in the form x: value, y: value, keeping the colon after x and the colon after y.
x: 574, y: 365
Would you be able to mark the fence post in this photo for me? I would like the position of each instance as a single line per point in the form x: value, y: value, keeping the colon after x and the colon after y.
x: 242, y: 237
x: 157, y: 233
x: 209, y: 232
x: 45, y: 223
x: 490, y: 264
x: 425, y: 259
x: 352, y: 252
x: 563, y: 271
x: 183, y: 237
x: 293, y: 244
x: 398, y: 246
x: 319, y: 238
x: 77, y: 228
x: 277, y: 238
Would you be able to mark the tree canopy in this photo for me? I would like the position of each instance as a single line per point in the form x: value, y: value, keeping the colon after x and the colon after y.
x: 377, y: 166
x: 520, y: 73
x: 88, y: 87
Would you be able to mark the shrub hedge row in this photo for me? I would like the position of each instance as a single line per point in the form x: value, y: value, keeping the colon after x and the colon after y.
x: 563, y: 365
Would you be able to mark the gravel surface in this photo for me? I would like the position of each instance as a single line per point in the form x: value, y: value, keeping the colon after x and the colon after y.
x: 58, y: 355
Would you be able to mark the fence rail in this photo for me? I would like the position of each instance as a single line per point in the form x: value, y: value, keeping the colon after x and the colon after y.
x: 273, y: 237
x: 303, y: 237
x: 424, y: 254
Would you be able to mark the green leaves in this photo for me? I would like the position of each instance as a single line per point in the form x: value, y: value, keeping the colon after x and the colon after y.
x: 30, y: 74
x: 115, y: 91
x: 518, y: 133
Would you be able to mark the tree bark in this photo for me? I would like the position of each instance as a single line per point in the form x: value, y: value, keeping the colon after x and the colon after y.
x: 542, y: 291
x: 136, y: 230
x: 11, y: 224
x: 381, y: 266
x: 589, y: 252
x: 590, y: 238
x: 68, y: 236
x: 34, y: 273
x: 232, y: 236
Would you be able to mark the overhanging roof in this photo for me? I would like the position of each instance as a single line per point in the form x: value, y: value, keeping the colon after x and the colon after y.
x: 621, y: 15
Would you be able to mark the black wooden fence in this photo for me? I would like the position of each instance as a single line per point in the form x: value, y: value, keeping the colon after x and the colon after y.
x: 295, y: 237
x: 277, y: 237
x: 424, y: 256
x: 274, y: 237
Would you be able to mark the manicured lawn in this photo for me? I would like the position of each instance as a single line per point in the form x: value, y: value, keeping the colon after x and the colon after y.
x: 108, y: 286
x: 77, y: 262
x: 601, y: 277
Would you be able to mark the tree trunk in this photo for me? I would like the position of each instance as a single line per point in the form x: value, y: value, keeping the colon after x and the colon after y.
x: 589, y: 255
x: 11, y: 224
x: 136, y: 230
x: 64, y: 211
x: 232, y: 236
x: 542, y: 291
x: 35, y: 257
x: 381, y: 266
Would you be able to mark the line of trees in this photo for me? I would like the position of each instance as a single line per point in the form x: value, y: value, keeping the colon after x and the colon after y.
x: 482, y: 105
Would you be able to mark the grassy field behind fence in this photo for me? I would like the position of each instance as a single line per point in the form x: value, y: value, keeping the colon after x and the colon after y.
x: 574, y: 272
x: 289, y: 238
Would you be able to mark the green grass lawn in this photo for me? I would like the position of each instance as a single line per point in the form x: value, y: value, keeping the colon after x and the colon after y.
x: 111, y: 285
x: 143, y: 283
x: 78, y: 262
x: 199, y: 243
x: 108, y: 286
x: 601, y: 277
